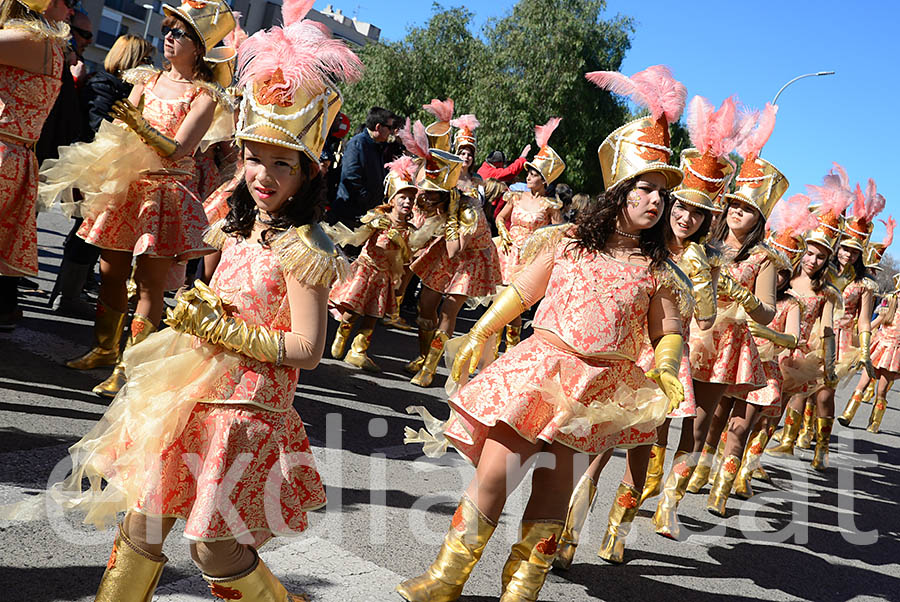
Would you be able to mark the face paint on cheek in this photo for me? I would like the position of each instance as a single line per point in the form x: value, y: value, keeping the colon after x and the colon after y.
x: 634, y: 198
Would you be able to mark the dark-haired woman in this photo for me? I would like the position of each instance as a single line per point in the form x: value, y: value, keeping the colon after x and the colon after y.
x: 32, y: 39
x: 158, y: 219
x: 574, y: 386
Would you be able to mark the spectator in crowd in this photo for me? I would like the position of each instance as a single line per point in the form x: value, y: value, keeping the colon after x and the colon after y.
x: 362, y: 168
x: 580, y: 203
x: 493, y: 193
x: 495, y: 166
x: 82, y: 35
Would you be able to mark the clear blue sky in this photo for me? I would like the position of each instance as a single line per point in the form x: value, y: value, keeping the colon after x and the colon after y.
x: 751, y: 49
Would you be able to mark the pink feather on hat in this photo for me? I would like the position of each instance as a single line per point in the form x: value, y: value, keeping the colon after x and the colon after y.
x: 542, y: 133
x: 236, y: 36
x: 874, y: 202
x: 442, y: 109
x: 716, y: 132
x: 794, y: 215
x: 832, y: 194
x: 753, y: 144
x: 466, y: 122
x: 654, y: 88
x: 889, y: 225
x: 295, y: 10
x: 414, y: 138
x: 405, y: 167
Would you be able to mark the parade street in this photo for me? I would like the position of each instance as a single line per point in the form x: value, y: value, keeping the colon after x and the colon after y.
x: 807, y: 536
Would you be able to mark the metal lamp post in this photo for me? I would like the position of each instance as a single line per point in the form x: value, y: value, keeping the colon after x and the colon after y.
x: 149, y: 8
x: 816, y: 74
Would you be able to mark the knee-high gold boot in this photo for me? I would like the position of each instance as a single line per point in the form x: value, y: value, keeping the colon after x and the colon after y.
x: 653, y: 482
x: 427, y: 328
x: 528, y: 577
x: 425, y: 375
x: 878, y: 409
x: 141, y: 328
x: 339, y: 345
x: 357, y: 355
x: 621, y: 515
x: 700, y: 475
x: 720, y: 454
x: 869, y: 393
x: 808, y: 431
x: 513, y: 336
x: 393, y: 320
x: 463, y: 545
x: 579, y: 506
x: 823, y: 439
x: 520, y: 551
x: 792, y: 420
x: 850, y: 411
x: 752, y: 454
x: 108, y: 328
x: 131, y: 574
x: 721, y: 489
x: 256, y: 584
x: 666, y: 516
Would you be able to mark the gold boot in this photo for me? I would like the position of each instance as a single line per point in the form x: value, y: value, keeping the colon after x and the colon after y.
x: 513, y: 336
x: 721, y: 489
x: 666, y: 516
x: 340, y: 339
x: 256, y: 584
x: 753, y: 452
x: 528, y: 578
x: 621, y: 515
x: 425, y: 375
x: 141, y: 328
x: 807, y: 431
x: 131, y: 573
x: 823, y: 438
x: 700, y: 476
x: 463, y: 545
x: 653, y: 482
x: 869, y: 392
x: 720, y: 454
x: 579, y: 506
x: 357, y: 355
x: 850, y: 411
x: 427, y: 328
x: 108, y: 325
x: 878, y: 409
x: 393, y: 320
x: 792, y: 420
x: 520, y: 551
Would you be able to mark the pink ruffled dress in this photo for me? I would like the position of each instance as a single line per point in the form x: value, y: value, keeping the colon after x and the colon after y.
x: 522, y: 225
x: 25, y: 101
x: 805, y: 374
x: 886, y: 347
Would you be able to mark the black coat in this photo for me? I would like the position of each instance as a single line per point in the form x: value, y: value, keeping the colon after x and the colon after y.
x: 65, y: 123
x: 362, y: 178
x: 98, y: 94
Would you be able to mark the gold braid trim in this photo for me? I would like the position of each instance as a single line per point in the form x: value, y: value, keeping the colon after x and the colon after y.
x: 779, y: 260
x: 671, y: 277
x: 56, y: 33
x: 310, y: 256
x: 541, y: 239
x: 215, y: 236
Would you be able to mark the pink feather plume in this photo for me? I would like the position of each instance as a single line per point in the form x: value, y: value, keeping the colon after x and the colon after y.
x: 295, y: 10
x: 405, y: 167
x: 874, y: 202
x: 414, y: 138
x: 236, y: 36
x: 466, y: 122
x: 859, y: 203
x: 717, y: 132
x: 542, y: 133
x: 794, y: 215
x: 753, y: 144
x: 308, y: 58
x: 833, y: 195
x: 889, y: 225
x: 442, y: 109
x: 654, y: 88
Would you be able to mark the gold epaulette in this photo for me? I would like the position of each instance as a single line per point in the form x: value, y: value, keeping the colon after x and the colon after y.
x: 310, y: 256
x: 428, y: 230
x: 778, y: 259
x: 671, y: 276
x: 222, y: 97
x: 869, y: 283
x: 833, y: 294
x: 57, y: 33
x: 799, y: 301
x: 714, y: 255
x: 543, y: 238
x: 140, y: 75
x: 215, y: 236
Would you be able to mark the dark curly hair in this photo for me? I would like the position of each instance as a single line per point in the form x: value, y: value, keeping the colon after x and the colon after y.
x: 596, y: 224
x: 305, y: 207
x: 720, y: 232
x: 697, y: 236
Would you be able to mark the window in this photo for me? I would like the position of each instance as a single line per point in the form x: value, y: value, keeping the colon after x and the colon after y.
x: 110, y: 29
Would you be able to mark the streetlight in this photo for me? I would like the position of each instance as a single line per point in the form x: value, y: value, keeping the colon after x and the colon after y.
x: 816, y: 74
x: 149, y: 8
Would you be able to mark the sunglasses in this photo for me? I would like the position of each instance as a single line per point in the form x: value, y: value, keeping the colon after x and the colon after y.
x: 84, y: 33
x: 176, y: 33
x: 70, y: 3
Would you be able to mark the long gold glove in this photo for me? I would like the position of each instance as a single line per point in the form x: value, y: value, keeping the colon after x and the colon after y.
x: 451, y: 227
x: 506, y: 307
x: 503, y: 233
x: 667, y: 355
x: 865, y: 352
x: 132, y: 116
x: 698, y: 270
x: 196, y: 311
x: 782, y: 339
x: 829, y: 351
x: 729, y: 287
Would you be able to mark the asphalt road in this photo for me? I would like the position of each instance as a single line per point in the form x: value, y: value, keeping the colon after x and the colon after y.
x: 807, y: 536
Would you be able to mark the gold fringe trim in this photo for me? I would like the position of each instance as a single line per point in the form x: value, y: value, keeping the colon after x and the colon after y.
x: 869, y: 284
x: 778, y: 258
x: 143, y: 74
x: 671, y: 277
x: 310, y: 256
x: 215, y: 236
x: 57, y: 33
x: 541, y: 239
x: 140, y: 75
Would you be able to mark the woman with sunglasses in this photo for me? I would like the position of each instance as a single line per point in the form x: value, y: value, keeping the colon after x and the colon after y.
x: 154, y: 217
x: 32, y: 42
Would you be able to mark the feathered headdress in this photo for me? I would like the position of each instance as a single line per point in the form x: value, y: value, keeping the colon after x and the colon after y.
x: 465, y: 133
x: 414, y: 139
x: 753, y: 143
x: 401, y: 176
x: 439, y: 132
x: 865, y: 207
x: 889, y: 225
x: 290, y: 75
x: 654, y: 88
x: 441, y: 109
x: 833, y: 199
x: 547, y: 161
x: 790, y: 224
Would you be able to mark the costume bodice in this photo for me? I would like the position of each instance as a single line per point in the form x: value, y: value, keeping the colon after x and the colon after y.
x: 26, y: 97
x: 523, y: 223
x: 384, y: 254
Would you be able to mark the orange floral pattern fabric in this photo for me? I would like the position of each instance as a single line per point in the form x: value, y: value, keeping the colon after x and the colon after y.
x: 25, y: 101
x: 374, y: 277
x: 522, y: 225
x: 885, y: 350
x: 216, y: 204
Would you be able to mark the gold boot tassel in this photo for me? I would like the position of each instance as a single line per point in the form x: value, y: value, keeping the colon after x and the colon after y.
x: 823, y: 439
x: 340, y: 339
x: 424, y: 376
x: 463, y: 545
x: 427, y: 328
x: 357, y: 355
x: 579, y: 506
x: 108, y: 328
x: 666, y: 516
x: 850, y: 411
x: 141, y: 328
x: 528, y: 578
x: 256, y: 584
x: 807, y: 431
x: 653, y: 482
x: 131, y: 573
x: 700, y: 476
x: 621, y: 515
x: 878, y: 409
x: 721, y: 489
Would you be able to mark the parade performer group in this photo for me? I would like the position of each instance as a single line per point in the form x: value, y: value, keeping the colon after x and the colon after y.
x: 675, y: 295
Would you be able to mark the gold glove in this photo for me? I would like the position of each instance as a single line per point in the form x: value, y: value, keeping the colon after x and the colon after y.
x: 451, y: 228
x: 782, y: 339
x: 197, y: 311
x: 132, y: 116
x: 259, y: 342
x: 396, y: 237
x: 729, y: 287
x: 506, y: 307
x: 505, y: 238
x: 698, y: 270
x: 828, y: 359
x: 667, y: 356
x: 865, y: 353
